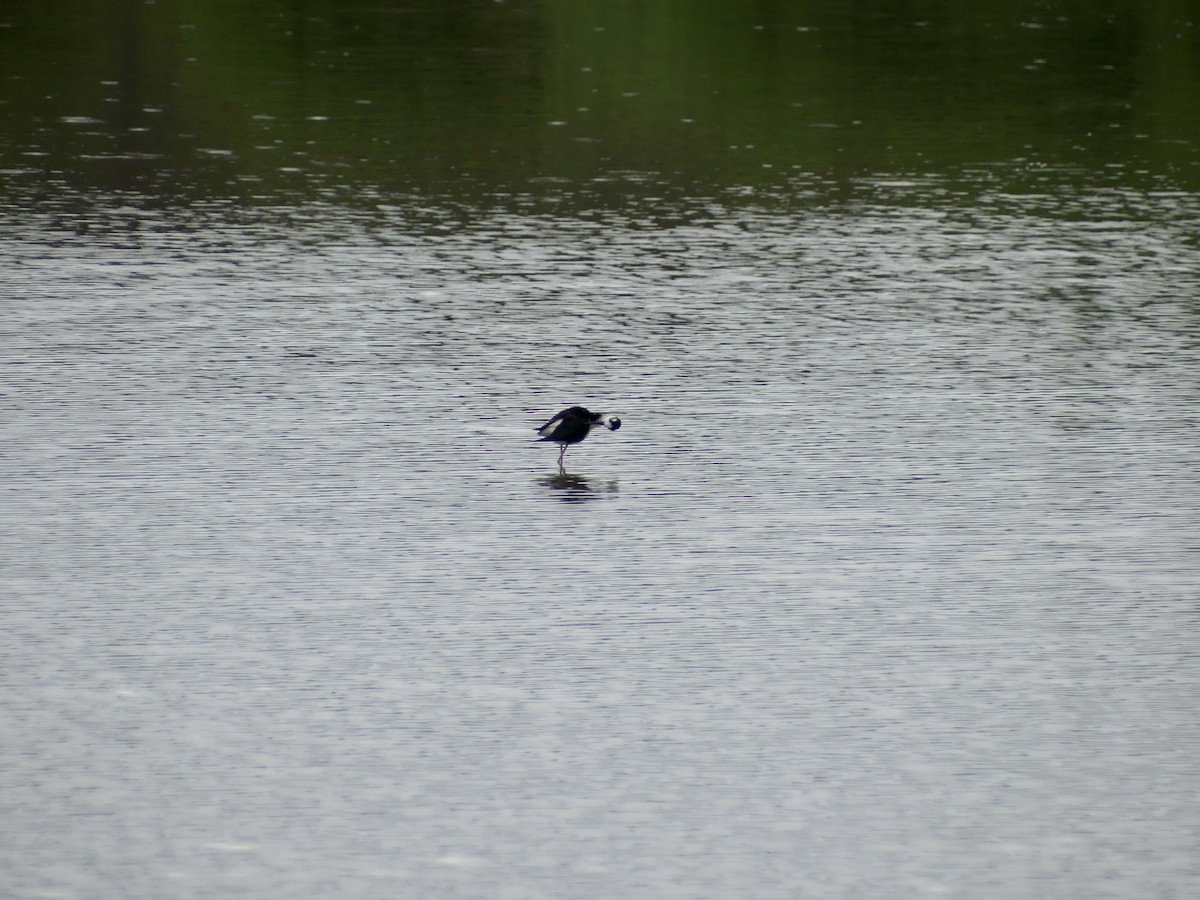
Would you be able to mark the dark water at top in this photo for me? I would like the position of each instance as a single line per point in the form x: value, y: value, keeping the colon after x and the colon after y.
x: 579, y: 105
x: 886, y: 588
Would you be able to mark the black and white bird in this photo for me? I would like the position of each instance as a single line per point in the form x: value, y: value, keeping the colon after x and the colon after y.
x: 572, y: 425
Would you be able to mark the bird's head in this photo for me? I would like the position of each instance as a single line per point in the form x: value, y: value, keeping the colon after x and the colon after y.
x: 612, y: 423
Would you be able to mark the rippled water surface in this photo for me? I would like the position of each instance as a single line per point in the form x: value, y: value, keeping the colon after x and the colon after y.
x: 886, y: 588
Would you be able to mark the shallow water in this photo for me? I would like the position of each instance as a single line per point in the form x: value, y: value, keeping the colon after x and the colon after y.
x: 887, y: 586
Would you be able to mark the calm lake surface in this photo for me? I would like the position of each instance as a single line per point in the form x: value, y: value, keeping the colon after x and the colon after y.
x: 888, y: 587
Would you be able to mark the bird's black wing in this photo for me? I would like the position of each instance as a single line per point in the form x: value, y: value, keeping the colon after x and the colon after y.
x: 570, y: 426
x: 546, y: 430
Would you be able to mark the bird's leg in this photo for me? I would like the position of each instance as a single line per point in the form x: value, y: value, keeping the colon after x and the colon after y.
x: 561, y: 453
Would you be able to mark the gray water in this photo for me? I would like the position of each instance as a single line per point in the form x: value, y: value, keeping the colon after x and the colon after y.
x: 886, y: 588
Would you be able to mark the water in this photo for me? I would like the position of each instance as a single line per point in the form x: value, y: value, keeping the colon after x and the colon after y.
x: 885, y: 588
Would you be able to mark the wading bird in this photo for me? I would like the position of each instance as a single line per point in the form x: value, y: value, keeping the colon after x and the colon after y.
x: 572, y: 425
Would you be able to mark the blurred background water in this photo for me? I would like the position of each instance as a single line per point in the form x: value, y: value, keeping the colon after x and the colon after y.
x: 886, y: 588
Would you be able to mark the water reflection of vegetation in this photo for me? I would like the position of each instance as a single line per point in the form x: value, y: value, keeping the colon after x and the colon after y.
x: 519, y: 97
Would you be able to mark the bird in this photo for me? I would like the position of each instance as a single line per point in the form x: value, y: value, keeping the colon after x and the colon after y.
x: 572, y: 425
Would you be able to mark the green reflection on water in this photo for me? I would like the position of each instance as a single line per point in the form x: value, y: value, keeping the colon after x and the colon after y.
x: 280, y: 99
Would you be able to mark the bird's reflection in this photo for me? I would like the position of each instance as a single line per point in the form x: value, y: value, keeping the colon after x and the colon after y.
x: 578, y: 488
